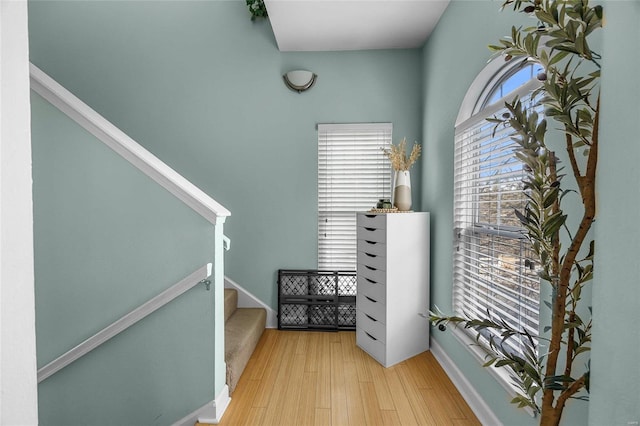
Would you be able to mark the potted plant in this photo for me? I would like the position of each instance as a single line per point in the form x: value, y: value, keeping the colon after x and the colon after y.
x: 257, y: 9
x: 547, y: 376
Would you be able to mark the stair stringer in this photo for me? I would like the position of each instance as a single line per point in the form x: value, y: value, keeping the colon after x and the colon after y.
x: 248, y: 300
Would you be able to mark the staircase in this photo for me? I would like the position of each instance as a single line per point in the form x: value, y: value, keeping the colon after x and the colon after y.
x: 242, y: 330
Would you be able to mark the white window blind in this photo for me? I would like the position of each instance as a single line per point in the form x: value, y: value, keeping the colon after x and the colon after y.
x: 493, y: 265
x: 353, y: 174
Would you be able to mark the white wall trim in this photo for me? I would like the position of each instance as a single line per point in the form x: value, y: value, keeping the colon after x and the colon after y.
x: 210, y: 413
x: 473, y: 398
x: 248, y: 300
x: 126, y: 147
x: 18, y: 383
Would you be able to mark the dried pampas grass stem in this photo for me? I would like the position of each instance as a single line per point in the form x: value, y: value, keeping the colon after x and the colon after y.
x: 397, y: 154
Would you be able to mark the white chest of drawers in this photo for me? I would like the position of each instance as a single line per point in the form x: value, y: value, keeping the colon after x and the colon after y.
x: 393, y: 285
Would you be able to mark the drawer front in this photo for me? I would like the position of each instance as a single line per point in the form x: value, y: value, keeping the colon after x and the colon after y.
x: 372, y: 326
x: 373, y: 261
x: 376, y: 275
x: 372, y: 307
x: 376, y: 235
x: 371, y: 345
x: 370, y: 220
x: 372, y: 247
x: 371, y: 288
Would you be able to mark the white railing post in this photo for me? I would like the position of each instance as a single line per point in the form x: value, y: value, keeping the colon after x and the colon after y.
x: 220, y: 369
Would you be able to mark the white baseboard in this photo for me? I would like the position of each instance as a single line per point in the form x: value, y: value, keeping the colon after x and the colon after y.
x: 469, y: 393
x: 210, y: 413
x: 248, y: 300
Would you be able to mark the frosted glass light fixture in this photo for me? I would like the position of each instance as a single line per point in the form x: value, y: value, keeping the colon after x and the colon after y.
x: 299, y: 80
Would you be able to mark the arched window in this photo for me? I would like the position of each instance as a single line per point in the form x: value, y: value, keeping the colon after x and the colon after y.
x: 493, y: 264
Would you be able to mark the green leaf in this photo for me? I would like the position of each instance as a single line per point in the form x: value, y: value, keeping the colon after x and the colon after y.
x: 546, y: 17
x: 495, y: 48
x: 550, y: 197
x: 592, y: 250
x: 553, y: 223
x: 557, y: 57
x: 522, y: 218
x: 598, y: 10
x: 489, y: 363
x: 582, y: 349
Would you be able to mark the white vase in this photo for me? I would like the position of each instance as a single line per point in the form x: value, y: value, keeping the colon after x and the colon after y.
x: 402, y: 190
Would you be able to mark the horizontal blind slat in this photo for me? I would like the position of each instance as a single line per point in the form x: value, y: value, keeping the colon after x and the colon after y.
x: 353, y: 173
x: 492, y: 258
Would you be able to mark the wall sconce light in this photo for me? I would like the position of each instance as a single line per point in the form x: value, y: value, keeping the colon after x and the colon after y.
x: 299, y: 80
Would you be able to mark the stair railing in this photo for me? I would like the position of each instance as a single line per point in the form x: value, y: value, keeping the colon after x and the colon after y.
x: 126, y: 321
x: 126, y: 147
x: 169, y: 179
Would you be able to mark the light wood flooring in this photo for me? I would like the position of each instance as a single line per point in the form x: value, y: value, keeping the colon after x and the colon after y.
x: 303, y: 378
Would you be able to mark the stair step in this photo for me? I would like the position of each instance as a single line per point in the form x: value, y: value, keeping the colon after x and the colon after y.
x: 230, y: 302
x: 242, y: 331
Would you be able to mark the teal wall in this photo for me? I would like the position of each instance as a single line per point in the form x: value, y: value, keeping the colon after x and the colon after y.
x: 200, y: 86
x: 452, y: 57
x: 616, y: 337
x: 107, y: 239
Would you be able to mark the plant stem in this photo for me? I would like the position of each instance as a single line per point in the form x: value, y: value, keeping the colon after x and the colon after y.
x: 586, y: 185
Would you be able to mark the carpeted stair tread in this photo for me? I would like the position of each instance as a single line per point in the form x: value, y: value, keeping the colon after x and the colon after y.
x: 242, y: 332
x: 230, y: 302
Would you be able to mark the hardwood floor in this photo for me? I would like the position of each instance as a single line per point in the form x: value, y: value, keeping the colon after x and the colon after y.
x: 322, y: 378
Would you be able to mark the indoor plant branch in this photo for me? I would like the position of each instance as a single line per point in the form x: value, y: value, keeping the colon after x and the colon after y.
x: 559, y: 44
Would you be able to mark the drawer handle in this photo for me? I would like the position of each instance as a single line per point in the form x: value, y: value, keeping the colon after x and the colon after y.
x: 370, y: 242
x: 371, y: 318
x: 370, y: 215
x: 373, y: 300
x: 370, y: 336
x: 370, y: 229
x: 371, y: 255
x: 371, y: 281
x: 371, y: 268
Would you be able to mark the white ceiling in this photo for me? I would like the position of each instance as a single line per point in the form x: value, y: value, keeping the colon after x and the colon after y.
x: 329, y: 25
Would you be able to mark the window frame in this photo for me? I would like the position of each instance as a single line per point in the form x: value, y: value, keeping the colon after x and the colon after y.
x: 475, y: 108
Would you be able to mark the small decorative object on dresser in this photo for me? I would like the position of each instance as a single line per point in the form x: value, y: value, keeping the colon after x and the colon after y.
x: 401, y: 164
x: 384, y: 203
x: 393, y: 285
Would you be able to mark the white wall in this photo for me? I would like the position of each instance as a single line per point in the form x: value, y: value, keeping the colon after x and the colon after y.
x: 18, y: 382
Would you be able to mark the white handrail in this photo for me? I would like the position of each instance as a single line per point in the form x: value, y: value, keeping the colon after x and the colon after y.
x: 125, y: 322
x: 129, y: 149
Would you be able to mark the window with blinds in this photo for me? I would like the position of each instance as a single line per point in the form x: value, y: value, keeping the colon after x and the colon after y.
x: 353, y: 174
x: 493, y: 264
